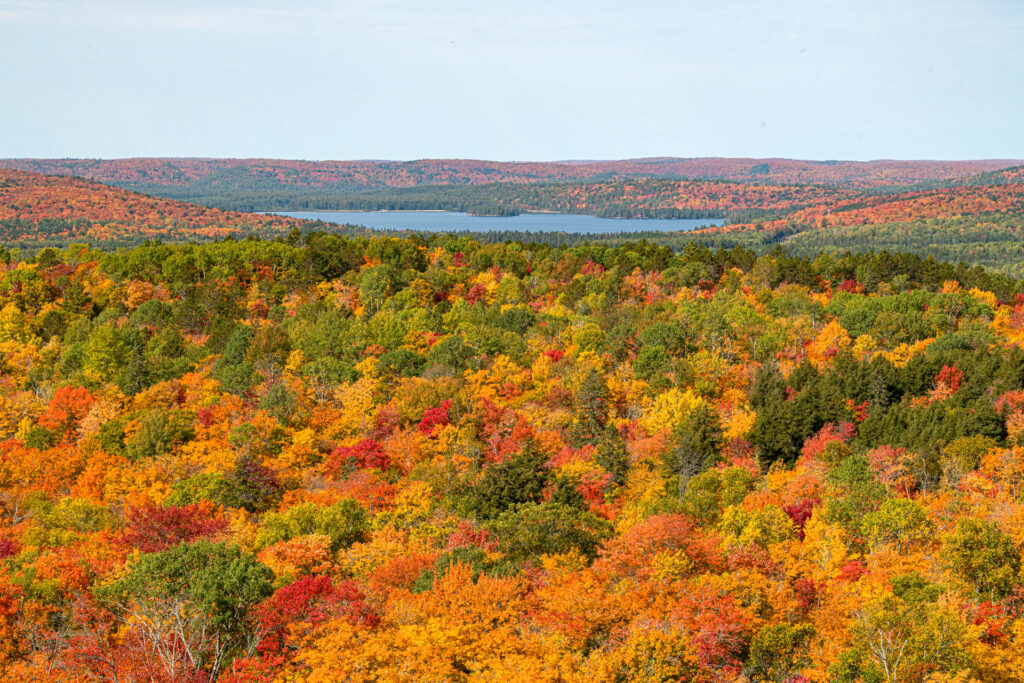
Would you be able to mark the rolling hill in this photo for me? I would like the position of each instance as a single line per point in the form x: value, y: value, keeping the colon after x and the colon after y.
x: 40, y: 209
x: 977, y: 219
x: 204, y: 175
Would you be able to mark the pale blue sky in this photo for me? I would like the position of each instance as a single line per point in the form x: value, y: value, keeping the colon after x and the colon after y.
x: 528, y: 80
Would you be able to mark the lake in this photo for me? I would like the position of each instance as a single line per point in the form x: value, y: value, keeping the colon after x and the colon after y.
x: 450, y: 221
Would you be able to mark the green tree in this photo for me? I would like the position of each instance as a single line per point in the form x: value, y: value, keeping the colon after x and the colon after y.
x: 345, y: 522
x: 610, y: 453
x: 377, y: 284
x: 710, y: 492
x: 451, y: 352
x: 652, y: 362
x: 268, y: 350
x: 159, y: 432
x: 520, y: 479
x: 778, y: 651
x: 191, y: 605
x: 591, y: 409
x: 857, y: 493
x: 400, y: 363
x: 985, y: 557
x: 281, y: 402
x: 528, y: 530
x: 697, y: 444
x: 899, y: 521
x: 233, y: 370
x: 105, y: 354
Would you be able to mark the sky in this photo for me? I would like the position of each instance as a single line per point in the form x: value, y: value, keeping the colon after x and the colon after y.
x: 525, y: 80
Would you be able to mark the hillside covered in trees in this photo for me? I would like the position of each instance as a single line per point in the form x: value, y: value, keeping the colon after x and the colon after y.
x: 279, y: 173
x: 329, y: 458
x: 38, y: 211
x: 977, y: 220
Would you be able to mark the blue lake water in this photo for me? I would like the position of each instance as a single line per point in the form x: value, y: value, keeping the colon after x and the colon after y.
x: 450, y: 221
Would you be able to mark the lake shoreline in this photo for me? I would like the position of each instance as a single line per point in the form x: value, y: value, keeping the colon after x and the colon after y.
x: 436, y: 220
x: 537, y: 212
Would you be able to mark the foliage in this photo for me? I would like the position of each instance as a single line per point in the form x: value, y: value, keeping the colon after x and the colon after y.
x: 393, y: 458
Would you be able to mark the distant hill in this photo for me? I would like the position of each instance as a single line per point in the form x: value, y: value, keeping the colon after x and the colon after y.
x: 978, y: 219
x: 41, y: 209
x: 980, y: 224
x: 214, y: 176
x: 1005, y: 199
x: 1012, y: 174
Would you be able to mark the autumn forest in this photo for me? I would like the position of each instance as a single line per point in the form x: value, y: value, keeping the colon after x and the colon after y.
x: 242, y: 447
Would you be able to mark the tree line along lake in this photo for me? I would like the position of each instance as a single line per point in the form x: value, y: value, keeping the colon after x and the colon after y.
x: 450, y: 221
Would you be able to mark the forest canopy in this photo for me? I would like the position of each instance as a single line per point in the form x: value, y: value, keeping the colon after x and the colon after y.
x: 328, y: 457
